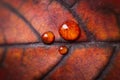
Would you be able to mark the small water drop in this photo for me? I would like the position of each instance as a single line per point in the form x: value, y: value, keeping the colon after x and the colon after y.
x: 69, y: 30
x: 48, y: 37
x: 63, y: 50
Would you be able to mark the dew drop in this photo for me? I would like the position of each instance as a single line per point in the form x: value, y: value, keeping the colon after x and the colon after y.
x: 48, y: 37
x: 63, y: 50
x: 69, y: 30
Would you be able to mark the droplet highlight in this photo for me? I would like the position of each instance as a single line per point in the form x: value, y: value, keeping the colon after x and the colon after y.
x: 63, y: 50
x: 69, y: 30
x: 48, y: 37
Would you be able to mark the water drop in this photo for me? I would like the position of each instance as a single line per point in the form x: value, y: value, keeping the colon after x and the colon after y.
x: 63, y: 50
x: 48, y: 37
x: 69, y: 30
